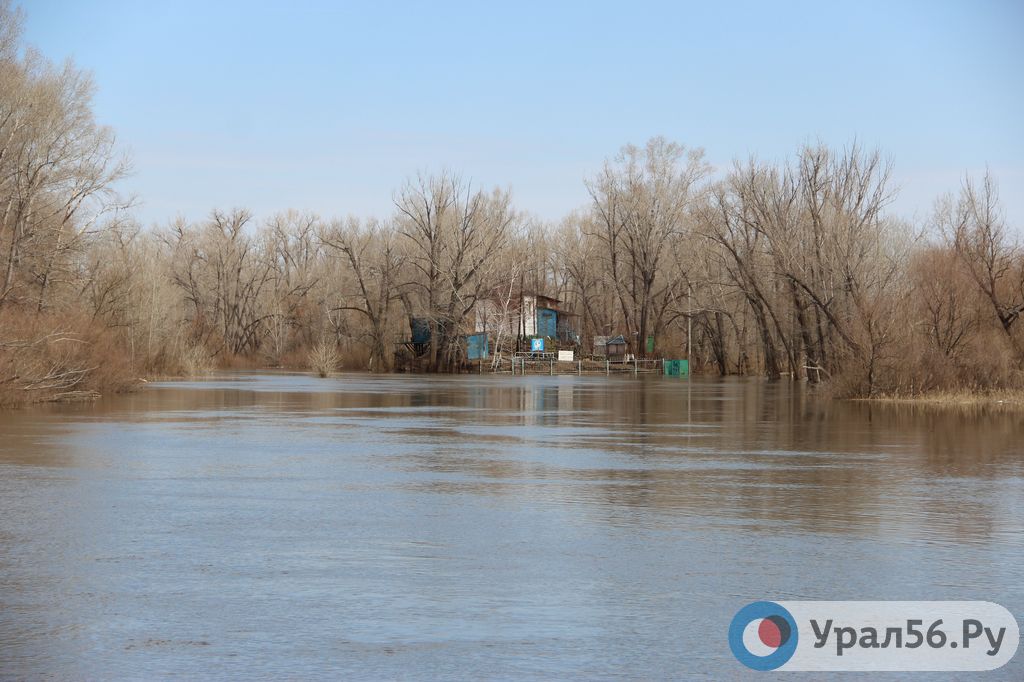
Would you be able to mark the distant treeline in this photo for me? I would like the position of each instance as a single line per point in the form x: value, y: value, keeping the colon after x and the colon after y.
x: 790, y: 269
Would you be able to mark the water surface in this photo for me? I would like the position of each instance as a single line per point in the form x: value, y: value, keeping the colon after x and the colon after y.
x: 278, y: 525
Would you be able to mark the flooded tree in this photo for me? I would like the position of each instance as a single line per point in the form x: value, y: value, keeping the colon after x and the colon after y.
x: 371, y: 253
x: 975, y: 227
x: 222, y: 274
x: 58, y: 167
x: 640, y: 201
x: 451, y: 233
x: 290, y: 242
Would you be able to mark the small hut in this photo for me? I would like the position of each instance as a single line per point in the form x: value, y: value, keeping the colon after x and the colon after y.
x: 615, y: 348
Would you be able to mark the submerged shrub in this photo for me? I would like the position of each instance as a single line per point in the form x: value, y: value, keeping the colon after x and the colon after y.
x: 323, y: 358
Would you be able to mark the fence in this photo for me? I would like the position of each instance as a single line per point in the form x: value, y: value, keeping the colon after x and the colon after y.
x: 522, y: 363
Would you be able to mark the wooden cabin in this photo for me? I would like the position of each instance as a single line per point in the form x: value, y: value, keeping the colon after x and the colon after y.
x: 616, y: 348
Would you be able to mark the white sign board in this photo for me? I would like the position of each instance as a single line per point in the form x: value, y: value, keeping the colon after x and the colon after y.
x: 565, y: 356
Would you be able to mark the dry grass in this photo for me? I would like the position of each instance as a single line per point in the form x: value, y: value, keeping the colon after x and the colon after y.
x: 46, y: 358
x: 195, y: 361
x: 1006, y: 398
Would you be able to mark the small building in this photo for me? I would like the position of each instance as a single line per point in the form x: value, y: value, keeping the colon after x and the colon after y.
x: 504, y: 316
x: 547, y: 322
x: 420, y: 328
x: 615, y: 348
x: 477, y: 347
x: 419, y: 333
x: 601, y: 346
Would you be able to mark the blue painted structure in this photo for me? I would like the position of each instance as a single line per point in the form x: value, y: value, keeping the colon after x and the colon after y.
x: 477, y: 347
x: 420, y: 330
x: 547, y: 323
x: 537, y: 345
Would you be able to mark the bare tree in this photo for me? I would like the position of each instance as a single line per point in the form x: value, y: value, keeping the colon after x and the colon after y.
x: 725, y: 220
x: 452, y: 234
x: 222, y: 276
x: 291, y: 245
x: 57, y: 168
x: 370, y: 250
x: 641, y: 201
x: 975, y: 226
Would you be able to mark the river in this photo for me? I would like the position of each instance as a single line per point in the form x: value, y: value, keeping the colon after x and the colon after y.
x: 479, y: 527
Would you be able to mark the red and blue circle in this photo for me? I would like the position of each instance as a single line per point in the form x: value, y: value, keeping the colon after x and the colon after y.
x: 763, y: 635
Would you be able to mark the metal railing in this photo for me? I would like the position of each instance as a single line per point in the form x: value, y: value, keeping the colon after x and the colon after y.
x: 523, y: 363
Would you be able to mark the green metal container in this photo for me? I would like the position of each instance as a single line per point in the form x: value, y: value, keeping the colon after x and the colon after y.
x: 677, y: 368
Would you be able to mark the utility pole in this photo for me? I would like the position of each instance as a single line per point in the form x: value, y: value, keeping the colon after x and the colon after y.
x: 689, y: 325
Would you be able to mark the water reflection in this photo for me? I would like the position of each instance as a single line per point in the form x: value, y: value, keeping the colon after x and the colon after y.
x: 477, y: 526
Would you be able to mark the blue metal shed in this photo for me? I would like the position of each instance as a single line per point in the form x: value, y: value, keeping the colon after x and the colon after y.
x: 420, y: 330
x: 476, y: 346
x: 547, y: 322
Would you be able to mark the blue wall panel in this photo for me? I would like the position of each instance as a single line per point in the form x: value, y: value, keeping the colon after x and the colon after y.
x: 476, y: 346
x: 547, y: 322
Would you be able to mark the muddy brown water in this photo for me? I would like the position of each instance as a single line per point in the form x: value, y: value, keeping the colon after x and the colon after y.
x: 469, y: 527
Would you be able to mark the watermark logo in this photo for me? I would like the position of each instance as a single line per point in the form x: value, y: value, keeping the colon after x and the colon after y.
x: 763, y: 635
x: 874, y: 636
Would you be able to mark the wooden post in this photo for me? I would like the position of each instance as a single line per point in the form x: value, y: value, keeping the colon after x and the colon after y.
x: 551, y: 368
x: 579, y: 368
x: 607, y: 370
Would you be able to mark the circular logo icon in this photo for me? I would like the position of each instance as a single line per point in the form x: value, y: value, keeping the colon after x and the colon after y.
x: 763, y: 635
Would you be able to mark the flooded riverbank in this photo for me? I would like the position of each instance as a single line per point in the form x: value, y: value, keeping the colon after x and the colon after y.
x: 478, y: 527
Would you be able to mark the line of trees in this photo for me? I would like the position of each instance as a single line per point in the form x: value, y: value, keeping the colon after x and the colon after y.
x: 795, y: 269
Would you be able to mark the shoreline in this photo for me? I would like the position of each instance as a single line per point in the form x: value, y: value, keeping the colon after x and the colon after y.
x: 1004, y: 398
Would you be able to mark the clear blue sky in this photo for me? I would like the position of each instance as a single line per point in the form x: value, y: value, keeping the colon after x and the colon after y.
x: 328, y: 106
